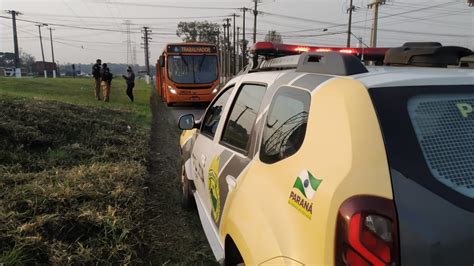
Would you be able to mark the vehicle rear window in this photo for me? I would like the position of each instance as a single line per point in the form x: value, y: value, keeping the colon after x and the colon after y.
x: 444, y: 127
x: 429, y: 137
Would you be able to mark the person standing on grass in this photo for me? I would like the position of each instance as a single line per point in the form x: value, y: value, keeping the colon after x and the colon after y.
x: 130, y: 80
x: 97, y: 75
x: 106, y: 78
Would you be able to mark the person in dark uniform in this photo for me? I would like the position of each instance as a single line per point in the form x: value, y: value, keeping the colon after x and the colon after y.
x: 96, y: 74
x: 130, y: 79
x: 106, y: 78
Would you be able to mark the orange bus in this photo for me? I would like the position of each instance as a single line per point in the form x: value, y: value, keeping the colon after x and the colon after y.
x: 188, y: 72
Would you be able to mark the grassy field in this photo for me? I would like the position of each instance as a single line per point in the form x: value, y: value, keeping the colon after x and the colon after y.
x: 89, y: 182
x: 80, y: 91
x: 72, y: 172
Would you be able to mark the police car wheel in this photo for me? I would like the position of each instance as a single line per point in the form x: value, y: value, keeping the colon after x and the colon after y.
x: 187, y: 198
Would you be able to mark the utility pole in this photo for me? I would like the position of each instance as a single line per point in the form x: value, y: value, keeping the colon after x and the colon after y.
x: 373, y: 36
x: 228, y: 54
x: 219, y: 50
x: 237, y: 62
x: 15, y: 43
x: 255, y: 13
x: 42, y: 51
x: 244, y: 44
x: 234, y: 48
x: 229, y: 51
x: 52, y: 51
x: 224, y: 53
x: 349, y: 25
x: 146, y: 31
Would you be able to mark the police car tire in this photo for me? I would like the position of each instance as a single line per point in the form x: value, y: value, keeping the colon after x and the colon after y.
x: 187, y: 198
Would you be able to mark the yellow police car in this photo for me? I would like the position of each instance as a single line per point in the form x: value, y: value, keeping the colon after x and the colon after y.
x: 318, y: 159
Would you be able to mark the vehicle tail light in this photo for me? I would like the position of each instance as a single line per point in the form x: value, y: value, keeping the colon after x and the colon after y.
x: 367, y: 232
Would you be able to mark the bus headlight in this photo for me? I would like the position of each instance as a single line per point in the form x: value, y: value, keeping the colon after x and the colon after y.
x: 172, y: 90
x: 215, y: 90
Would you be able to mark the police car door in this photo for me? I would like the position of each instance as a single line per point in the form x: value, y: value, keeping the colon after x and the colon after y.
x: 203, y: 153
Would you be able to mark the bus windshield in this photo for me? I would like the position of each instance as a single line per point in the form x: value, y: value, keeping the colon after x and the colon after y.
x: 192, y: 68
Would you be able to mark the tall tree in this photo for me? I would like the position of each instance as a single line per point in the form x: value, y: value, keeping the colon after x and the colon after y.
x: 7, y: 59
x: 273, y: 36
x: 26, y: 59
x: 198, y: 31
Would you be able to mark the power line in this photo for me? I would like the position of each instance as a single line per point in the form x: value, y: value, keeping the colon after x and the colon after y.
x: 135, y: 18
x: 333, y: 25
x: 112, y: 14
x: 68, y: 26
x: 174, y: 6
x: 424, y: 20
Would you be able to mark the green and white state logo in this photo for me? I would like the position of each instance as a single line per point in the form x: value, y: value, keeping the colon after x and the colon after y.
x: 303, y: 191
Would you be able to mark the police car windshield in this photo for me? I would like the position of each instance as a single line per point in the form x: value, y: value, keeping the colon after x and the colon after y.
x: 192, y: 68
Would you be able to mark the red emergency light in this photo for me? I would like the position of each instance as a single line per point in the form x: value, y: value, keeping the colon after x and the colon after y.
x: 271, y: 50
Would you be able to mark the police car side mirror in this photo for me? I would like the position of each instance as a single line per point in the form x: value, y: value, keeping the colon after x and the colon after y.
x: 186, y: 122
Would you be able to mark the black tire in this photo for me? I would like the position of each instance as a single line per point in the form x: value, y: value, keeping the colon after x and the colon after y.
x: 169, y: 104
x: 187, y: 197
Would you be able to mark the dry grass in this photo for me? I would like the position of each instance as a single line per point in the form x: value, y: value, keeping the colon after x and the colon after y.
x: 71, y: 184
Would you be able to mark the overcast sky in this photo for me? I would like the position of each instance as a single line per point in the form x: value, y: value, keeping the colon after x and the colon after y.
x: 88, y: 29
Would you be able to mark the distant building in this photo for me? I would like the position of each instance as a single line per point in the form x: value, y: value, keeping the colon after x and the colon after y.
x: 38, y: 70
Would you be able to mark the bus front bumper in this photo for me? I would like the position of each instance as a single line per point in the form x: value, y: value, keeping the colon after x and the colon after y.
x: 186, y: 98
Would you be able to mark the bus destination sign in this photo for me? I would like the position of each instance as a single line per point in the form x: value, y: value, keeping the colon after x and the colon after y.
x: 191, y: 49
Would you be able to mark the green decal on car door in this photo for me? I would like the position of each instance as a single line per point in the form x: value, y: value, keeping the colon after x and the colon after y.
x: 213, y: 178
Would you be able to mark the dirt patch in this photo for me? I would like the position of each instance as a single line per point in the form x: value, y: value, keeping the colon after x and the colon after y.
x: 173, y: 235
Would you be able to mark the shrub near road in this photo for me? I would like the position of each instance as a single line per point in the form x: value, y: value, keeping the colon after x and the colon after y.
x: 76, y: 181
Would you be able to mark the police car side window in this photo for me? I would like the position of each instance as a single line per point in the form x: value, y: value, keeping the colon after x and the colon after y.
x: 285, y: 125
x: 214, y: 112
x: 242, y: 116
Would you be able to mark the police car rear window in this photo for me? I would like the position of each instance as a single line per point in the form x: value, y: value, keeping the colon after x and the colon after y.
x: 444, y: 127
x: 429, y: 137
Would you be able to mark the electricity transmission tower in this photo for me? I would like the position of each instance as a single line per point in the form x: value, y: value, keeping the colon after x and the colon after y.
x: 129, y: 43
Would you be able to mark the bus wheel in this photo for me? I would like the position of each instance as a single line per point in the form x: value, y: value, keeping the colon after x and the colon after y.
x: 169, y: 103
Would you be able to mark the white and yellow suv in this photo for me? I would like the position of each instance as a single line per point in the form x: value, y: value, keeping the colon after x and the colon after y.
x: 317, y: 159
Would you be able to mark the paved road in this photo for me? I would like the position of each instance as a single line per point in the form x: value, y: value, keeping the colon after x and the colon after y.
x: 196, y: 110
